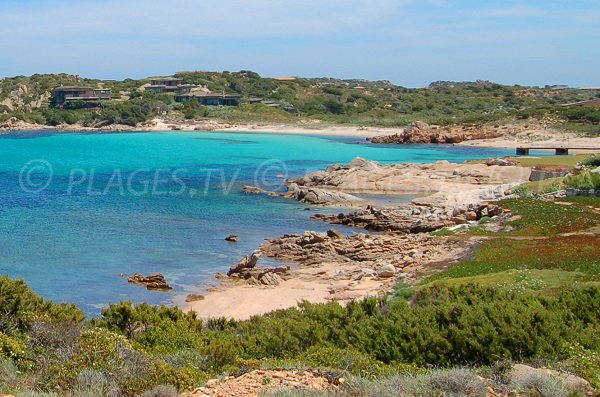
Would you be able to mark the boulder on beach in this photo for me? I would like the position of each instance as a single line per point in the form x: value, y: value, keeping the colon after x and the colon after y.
x: 247, y: 262
x: 194, y: 298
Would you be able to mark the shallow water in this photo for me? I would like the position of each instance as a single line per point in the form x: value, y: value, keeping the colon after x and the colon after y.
x: 79, y: 210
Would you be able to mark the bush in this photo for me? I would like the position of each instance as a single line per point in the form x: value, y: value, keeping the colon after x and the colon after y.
x: 543, y: 386
x: 591, y: 162
x: 92, y: 383
x: 161, y: 391
x: 159, y: 329
x: 454, y: 382
x: 21, y: 307
x: 522, y: 191
x: 9, y: 373
x: 354, y: 362
x: 584, y: 181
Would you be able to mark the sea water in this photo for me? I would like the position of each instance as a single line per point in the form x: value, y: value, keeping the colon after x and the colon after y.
x: 80, y: 211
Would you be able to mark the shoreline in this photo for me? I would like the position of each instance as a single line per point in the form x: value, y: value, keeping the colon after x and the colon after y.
x: 158, y: 125
x: 515, y: 136
x: 388, y: 245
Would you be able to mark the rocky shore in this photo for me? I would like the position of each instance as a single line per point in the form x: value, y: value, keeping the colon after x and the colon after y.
x: 333, y: 266
x: 420, y: 132
x: 441, y: 184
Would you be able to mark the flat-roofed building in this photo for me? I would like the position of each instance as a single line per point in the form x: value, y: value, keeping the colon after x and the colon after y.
x: 64, y: 94
x: 161, y: 85
x: 211, y: 99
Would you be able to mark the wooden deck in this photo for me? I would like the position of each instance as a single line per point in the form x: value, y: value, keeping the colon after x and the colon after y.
x: 559, y: 151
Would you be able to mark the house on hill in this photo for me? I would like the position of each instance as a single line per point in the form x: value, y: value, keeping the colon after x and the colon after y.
x: 160, y: 85
x: 211, y: 99
x: 64, y: 94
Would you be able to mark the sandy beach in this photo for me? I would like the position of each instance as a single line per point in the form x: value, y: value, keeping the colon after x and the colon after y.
x: 512, y: 135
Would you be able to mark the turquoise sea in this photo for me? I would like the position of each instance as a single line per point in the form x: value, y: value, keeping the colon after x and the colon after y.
x: 79, y: 210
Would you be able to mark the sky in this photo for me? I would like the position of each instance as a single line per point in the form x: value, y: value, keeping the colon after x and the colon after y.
x: 409, y: 42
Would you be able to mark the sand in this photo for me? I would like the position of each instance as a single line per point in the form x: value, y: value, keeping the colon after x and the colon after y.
x: 307, y: 129
x: 241, y: 302
x: 539, y: 137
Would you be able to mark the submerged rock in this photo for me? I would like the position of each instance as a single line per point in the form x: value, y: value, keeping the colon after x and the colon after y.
x: 253, y: 190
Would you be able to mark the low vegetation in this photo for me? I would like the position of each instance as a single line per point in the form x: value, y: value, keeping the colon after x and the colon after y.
x: 353, y: 102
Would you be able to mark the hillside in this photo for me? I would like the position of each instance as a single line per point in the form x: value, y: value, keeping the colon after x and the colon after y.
x: 291, y: 100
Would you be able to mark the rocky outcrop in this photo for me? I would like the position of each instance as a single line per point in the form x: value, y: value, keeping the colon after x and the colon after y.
x: 318, y: 196
x: 247, y: 262
x: 253, y: 190
x: 14, y: 124
x: 503, y: 162
x: 411, y: 218
x: 420, y: 132
x: 256, y: 383
x: 454, y: 183
x: 441, y: 183
x: 384, y: 256
x: 154, y: 282
x: 263, y: 275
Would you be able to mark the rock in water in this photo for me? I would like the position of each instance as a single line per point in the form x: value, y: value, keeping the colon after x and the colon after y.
x: 253, y: 190
x: 154, y: 282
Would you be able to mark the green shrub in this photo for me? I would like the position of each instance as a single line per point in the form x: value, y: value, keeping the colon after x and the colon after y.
x: 584, y: 181
x: 591, y: 162
x: 352, y: 361
x: 14, y: 349
x: 522, y: 191
x: 585, y: 361
x: 21, y: 307
x: 158, y: 329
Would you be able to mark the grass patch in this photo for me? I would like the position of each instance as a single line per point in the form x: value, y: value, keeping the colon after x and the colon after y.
x: 545, y: 186
x: 546, y: 218
x: 566, y: 161
x: 588, y: 201
x: 525, y: 280
x: 580, y: 254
